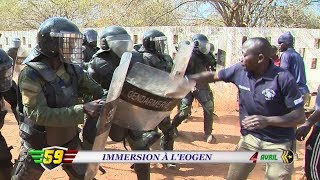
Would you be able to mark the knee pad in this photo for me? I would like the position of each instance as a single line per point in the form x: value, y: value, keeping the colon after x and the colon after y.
x: 209, y: 105
x: 118, y: 133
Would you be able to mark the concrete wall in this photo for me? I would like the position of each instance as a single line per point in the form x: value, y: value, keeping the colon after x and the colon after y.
x: 228, y: 39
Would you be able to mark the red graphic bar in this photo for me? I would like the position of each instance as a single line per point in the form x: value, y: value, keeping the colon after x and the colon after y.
x: 69, y: 155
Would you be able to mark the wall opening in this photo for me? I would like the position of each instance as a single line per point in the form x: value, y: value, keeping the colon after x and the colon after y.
x: 24, y: 42
x: 314, y: 63
x: 175, y: 39
x: 317, y: 43
x: 135, y: 39
x: 302, y: 52
x: 244, y: 39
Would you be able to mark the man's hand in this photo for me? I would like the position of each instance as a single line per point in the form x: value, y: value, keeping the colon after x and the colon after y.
x: 303, y: 131
x: 203, y: 77
x: 255, y: 122
x: 93, y: 108
x: 180, y: 88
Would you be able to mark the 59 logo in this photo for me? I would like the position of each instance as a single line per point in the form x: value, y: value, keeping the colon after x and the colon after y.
x: 50, y: 157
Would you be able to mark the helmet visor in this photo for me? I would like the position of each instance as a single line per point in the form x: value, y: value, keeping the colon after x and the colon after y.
x: 70, y: 46
x: 202, y: 46
x: 91, y: 36
x: 160, y: 44
x: 121, y: 46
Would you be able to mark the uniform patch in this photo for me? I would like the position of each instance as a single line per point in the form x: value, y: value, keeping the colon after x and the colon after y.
x: 269, y: 94
x: 244, y: 88
x: 298, y: 101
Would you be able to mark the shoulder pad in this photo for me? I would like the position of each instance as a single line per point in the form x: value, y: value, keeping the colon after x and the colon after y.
x: 30, y: 73
x: 43, y: 69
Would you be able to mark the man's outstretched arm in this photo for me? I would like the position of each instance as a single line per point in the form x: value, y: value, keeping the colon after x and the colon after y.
x: 204, y: 77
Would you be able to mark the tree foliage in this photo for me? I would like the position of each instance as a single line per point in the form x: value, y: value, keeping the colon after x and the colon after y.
x: 29, y: 14
x: 262, y: 13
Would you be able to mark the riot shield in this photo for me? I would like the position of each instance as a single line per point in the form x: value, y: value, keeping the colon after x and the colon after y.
x: 143, y: 103
x: 105, y: 119
x: 181, y: 60
x: 221, y: 57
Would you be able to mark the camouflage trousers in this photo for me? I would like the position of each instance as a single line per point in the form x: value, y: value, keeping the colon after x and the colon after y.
x: 25, y: 168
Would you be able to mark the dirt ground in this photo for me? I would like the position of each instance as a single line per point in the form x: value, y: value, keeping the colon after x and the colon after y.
x: 226, y: 130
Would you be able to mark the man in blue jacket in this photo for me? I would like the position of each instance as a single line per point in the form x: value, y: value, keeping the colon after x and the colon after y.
x: 292, y: 61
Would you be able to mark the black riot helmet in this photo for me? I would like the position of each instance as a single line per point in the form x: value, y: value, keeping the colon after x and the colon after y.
x: 6, y: 66
x: 116, y: 39
x: 59, y: 37
x: 201, y: 43
x: 155, y: 41
x: 90, y: 36
x: 16, y: 42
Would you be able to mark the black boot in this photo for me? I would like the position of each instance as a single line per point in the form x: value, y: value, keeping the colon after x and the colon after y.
x: 166, y: 143
x: 144, y: 139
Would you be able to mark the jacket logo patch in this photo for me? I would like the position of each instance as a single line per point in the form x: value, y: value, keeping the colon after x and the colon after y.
x: 244, y: 88
x: 269, y: 94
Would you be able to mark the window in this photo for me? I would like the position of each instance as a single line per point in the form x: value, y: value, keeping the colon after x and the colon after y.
x: 135, y: 39
x: 302, y: 52
x: 24, y: 42
x: 314, y: 63
x: 29, y: 45
x: 244, y: 38
x: 317, y: 43
x: 7, y: 41
x: 294, y: 41
x: 0, y: 45
x: 175, y: 39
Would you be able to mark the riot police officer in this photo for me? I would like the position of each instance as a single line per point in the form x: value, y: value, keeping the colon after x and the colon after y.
x: 13, y: 51
x: 50, y: 85
x: 201, y: 60
x: 114, y: 41
x: 154, y: 50
x: 89, y: 47
x: 5, y: 86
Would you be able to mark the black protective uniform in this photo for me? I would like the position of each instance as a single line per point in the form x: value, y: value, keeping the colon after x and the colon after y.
x: 114, y: 42
x: 201, y: 60
x: 5, y: 92
x: 153, y: 50
x: 89, y: 47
